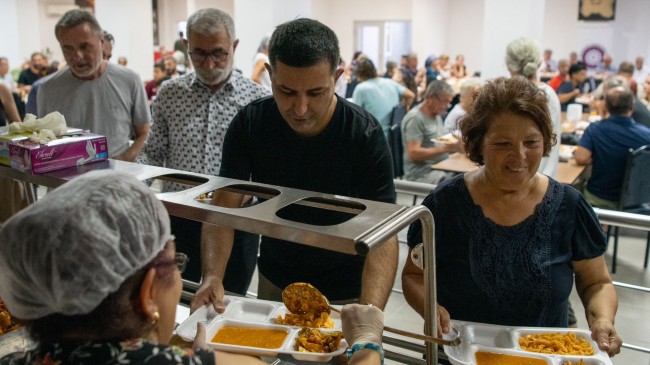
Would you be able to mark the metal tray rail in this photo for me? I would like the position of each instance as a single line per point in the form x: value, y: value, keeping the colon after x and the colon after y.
x: 370, y: 223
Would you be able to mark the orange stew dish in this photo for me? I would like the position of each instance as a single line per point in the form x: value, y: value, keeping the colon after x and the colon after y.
x: 491, y: 358
x: 321, y: 320
x: 7, y: 323
x: 313, y: 340
x: 265, y: 338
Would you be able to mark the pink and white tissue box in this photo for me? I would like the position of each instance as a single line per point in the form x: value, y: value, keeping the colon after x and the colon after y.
x: 58, y: 154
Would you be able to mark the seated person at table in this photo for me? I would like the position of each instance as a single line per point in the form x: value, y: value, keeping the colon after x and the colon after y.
x: 548, y: 64
x: 379, y: 95
x: 562, y: 75
x: 569, y: 90
x: 641, y: 112
x: 509, y: 239
x: 606, y: 68
x: 458, y: 69
x: 469, y: 89
x: 420, y: 128
x: 100, y: 284
x: 605, y: 145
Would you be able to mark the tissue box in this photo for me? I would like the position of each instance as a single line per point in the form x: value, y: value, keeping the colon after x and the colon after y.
x: 65, y: 152
x: 6, y: 139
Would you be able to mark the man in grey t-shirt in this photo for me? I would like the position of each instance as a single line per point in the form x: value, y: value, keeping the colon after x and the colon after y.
x: 93, y: 94
x: 420, y: 128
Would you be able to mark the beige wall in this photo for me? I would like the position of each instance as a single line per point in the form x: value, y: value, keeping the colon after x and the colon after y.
x: 341, y: 14
x: 449, y: 26
x: 170, y: 12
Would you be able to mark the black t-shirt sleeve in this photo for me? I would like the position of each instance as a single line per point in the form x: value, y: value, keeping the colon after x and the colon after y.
x: 565, y: 88
x: 235, y: 155
x: 377, y: 169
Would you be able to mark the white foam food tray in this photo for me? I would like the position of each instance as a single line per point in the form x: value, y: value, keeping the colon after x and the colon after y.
x: 505, y: 340
x: 247, y: 312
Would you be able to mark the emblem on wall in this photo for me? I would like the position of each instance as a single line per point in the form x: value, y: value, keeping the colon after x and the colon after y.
x: 592, y: 56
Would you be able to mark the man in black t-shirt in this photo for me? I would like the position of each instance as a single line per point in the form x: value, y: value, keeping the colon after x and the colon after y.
x: 27, y: 77
x: 570, y: 90
x: 305, y: 137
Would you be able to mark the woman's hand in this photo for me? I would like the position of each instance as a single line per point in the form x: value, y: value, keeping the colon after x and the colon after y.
x: 199, y: 340
x: 605, y: 335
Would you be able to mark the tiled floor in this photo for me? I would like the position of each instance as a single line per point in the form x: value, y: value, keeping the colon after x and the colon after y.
x: 633, y: 318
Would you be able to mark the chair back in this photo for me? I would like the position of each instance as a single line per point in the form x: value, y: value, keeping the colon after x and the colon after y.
x: 635, y: 191
x: 395, y: 140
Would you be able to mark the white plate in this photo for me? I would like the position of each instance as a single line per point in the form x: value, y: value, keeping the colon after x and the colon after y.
x: 247, y: 312
x: 445, y: 138
x: 504, y: 339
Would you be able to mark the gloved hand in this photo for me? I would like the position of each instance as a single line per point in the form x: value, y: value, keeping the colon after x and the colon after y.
x: 362, y: 324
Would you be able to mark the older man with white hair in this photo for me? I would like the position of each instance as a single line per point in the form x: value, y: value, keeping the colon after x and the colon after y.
x: 191, y: 114
x: 468, y: 91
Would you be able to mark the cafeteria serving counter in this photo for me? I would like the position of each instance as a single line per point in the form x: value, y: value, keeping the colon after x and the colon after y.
x: 357, y: 226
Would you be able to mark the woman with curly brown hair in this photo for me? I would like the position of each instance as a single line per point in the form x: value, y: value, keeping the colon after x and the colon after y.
x: 509, y: 239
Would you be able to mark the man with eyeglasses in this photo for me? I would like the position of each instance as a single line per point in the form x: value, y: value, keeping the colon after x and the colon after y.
x: 420, y: 128
x: 305, y: 137
x: 92, y: 93
x: 191, y: 114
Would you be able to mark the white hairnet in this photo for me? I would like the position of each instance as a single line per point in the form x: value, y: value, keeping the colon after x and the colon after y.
x: 67, y: 252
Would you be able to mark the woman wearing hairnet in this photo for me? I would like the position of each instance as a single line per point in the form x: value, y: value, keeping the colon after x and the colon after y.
x: 91, y: 271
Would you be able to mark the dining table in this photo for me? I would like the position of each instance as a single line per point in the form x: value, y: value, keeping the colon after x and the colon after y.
x: 568, y: 172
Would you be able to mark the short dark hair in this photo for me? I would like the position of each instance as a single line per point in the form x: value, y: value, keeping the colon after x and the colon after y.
x: 619, y: 100
x: 160, y: 65
x: 366, y: 69
x: 516, y: 95
x: 74, y: 17
x: 577, y: 67
x: 626, y: 67
x: 108, y: 37
x: 302, y: 43
x: 36, y: 54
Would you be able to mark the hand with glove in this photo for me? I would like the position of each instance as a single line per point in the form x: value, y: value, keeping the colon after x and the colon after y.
x: 363, y: 326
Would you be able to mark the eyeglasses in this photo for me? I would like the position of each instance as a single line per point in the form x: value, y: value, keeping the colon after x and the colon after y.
x: 200, y: 56
x: 181, y: 260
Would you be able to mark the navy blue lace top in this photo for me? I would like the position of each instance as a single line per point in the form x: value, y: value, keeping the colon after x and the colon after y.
x: 517, y: 275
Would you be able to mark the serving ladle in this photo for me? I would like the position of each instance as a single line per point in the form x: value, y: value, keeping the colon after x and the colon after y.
x: 301, y: 298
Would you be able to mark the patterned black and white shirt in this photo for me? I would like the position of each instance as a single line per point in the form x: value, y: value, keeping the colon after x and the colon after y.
x: 190, y: 122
